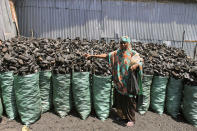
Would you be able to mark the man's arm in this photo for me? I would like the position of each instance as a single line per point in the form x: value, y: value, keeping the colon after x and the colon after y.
x: 96, y: 56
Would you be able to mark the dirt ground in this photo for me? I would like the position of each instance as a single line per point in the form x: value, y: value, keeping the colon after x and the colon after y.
x: 148, y: 122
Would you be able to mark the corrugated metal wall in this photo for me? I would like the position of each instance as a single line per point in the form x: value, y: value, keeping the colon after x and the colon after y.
x: 93, y: 19
x: 7, y: 26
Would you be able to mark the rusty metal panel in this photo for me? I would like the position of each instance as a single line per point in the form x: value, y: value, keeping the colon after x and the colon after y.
x: 7, y: 26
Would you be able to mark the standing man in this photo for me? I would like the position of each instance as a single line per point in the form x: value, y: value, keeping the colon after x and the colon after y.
x: 124, y: 62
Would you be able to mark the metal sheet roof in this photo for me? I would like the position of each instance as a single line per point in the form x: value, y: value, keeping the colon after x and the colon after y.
x: 140, y: 20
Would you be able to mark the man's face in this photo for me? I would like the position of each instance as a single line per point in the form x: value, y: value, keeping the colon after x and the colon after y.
x: 124, y: 45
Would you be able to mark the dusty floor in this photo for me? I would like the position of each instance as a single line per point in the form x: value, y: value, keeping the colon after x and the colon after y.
x: 51, y: 122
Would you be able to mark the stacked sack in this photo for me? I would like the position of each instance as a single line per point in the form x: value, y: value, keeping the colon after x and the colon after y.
x: 37, y: 74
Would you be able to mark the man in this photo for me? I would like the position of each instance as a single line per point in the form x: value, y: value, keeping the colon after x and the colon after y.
x: 123, y: 61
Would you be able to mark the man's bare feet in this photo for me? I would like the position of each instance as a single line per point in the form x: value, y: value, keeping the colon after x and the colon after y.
x: 130, y: 123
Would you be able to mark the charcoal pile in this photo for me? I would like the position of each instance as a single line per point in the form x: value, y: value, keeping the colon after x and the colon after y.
x: 167, y: 61
x: 28, y: 55
x: 63, y: 56
x: 45, y: 53
x: 17, y: 56
x: 192, y: 77
x: 101, y: 66
x: 79, y: 48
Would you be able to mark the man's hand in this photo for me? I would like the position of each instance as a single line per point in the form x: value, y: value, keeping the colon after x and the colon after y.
x: 134, y: 67
x: 87, y: 56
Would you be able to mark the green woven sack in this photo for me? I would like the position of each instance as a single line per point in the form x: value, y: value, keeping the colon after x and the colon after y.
x: 8, y: 95
x: 45, y: 90
x: 61, y: 94
x: 28, y: 98
x: 102, y: 95
x: 144, y: 102
x: 112, y: 95
x: 158, y: 91
x: 190, y: 104
x: 1, y: 108
x: 81, y: 93
x: 173, y: 96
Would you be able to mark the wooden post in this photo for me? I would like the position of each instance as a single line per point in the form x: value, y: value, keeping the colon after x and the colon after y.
x: 91, y: 61
x: 32, y: 33
x: 195, y: 52
x: 183, y: 37
x: 14, y: 16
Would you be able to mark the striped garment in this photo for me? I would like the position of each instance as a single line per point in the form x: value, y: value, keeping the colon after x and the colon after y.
x: 121, y: 61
